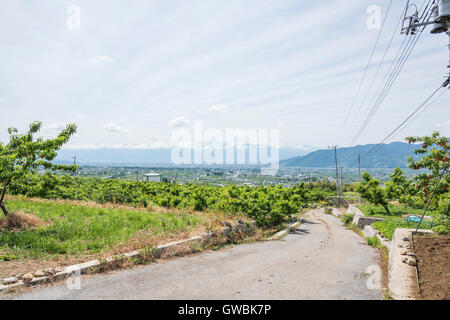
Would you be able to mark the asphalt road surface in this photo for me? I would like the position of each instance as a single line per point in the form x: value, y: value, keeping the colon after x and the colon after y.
x: 319, y: 260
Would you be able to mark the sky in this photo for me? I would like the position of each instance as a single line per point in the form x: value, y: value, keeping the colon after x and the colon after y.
x: 129, y: 73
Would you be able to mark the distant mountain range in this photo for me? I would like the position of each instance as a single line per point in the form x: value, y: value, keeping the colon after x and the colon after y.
x: 392, y: 155
x: 141, y: 157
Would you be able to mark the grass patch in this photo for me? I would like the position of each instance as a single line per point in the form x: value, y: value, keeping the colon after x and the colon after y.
x: 374, y: 242
x: 347, y: 218
x: 387, y: 226
x: 351, y: 194
x: 371, y: 210
x: 76, y: 229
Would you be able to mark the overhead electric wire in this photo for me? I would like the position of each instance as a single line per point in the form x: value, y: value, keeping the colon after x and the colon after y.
x: 380, y: 65
x: 394, y: 74
x: 392, y: 78
x: 416, y: 116
x: 391, y: 68
x: 399, y: 127
x: 366, y: 69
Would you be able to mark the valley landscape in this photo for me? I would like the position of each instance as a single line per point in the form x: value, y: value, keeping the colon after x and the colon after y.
x: 200, y: 152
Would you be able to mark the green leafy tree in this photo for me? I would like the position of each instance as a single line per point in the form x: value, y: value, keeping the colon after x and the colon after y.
x: 399, y: 187
x: 24, y: 155
x: 372, y: 191
x: 434, y: 182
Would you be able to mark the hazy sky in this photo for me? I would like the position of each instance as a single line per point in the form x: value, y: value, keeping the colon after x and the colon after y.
x: 138, y: 69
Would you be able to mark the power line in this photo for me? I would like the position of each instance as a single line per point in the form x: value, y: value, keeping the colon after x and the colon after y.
x: 405, y: 121
x: 394, y: 74
x: 392, y: 78
x: 366, y: 69
x: 380, y: 65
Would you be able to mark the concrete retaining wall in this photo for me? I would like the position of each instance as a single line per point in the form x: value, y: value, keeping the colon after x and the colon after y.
x: 335, y: 212
x: 403, y: 281
x: 359, y: 219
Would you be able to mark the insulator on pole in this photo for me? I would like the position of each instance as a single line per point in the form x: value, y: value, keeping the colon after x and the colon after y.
x: 444, y: 11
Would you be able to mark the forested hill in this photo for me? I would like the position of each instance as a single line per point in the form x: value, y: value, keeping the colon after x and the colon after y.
x: 391, y: 155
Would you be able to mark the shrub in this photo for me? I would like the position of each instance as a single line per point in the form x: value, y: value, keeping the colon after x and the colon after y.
x: 347, y: 218
x: 374, y: 242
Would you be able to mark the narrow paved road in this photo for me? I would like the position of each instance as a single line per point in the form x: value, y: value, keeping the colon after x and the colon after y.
x: 320, y: 260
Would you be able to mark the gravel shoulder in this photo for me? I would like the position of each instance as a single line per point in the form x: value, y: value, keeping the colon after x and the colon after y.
x: 319, y: 260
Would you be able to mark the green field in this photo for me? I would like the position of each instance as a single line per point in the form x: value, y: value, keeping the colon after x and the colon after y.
x: 81, y: 229
x: 387, y: 227
x: 396, y: 210
x: 267, y: 206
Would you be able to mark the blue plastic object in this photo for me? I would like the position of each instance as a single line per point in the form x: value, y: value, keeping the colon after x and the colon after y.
x: 413, y: 219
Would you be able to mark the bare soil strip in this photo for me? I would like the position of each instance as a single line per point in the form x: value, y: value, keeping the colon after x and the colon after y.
x: 433, y: 258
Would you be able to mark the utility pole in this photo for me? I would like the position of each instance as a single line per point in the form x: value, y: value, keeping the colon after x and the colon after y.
x: 337, y: 171
x: 75, y: 163
x: 359, y: 176
x: 439, y: 20
x: 342, y: 181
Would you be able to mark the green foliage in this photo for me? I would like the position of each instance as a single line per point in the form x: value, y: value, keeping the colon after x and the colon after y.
x: 443, y: 229
x: 24, y: 155
x: 8, y: 257
x: 387, y: 226
x: 432, y: 186
x: 266, y: 205
x: 77, y: 229
x: 371, y: 190
x: 373, y: 241
x: 435, y: 159
x: 347, y: 218
x: 395, y: 210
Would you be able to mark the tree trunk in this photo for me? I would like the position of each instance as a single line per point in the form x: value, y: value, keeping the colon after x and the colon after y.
x: 387, y: 209
x: 3, y: 207
x: 2, y: 198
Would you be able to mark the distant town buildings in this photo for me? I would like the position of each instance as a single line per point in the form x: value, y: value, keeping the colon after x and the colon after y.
x: 152, y: 177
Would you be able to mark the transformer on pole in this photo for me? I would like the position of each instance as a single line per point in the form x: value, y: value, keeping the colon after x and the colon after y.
x: 440, y: 21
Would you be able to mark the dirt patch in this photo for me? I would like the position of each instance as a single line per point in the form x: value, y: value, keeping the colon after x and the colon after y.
x: 433, y: 264
x: 20, y: 221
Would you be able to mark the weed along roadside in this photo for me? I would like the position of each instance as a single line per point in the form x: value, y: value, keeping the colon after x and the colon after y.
x: 230, y: 234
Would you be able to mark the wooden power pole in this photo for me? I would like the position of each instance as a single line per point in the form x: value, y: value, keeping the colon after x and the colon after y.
x: 359, y: 176
x: 337, y: 171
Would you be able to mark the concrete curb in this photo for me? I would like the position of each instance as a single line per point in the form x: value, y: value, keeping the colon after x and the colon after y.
x: 403, y: 280
x: 370, y: 232
x: 82, y: 268
x: 284, y: 232
x: 360, y: 219
x: 335, y: 212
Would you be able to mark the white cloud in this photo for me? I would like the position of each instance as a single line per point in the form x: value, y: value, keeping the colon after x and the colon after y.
x: 112, y: 127
x: 100, y: 60
x: 154, y: 145
x: 219, y: 108
x: 3, y: 99
x: 179, y: 122
x: 53, y: 128
x: 443, y: 124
